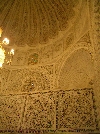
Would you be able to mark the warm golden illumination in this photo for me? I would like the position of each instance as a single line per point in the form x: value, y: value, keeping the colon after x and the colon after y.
x: 2, y: 56
x: 5, y: 41
x: 0, y: 32
x: 12, y: 52
x: 2, y: 51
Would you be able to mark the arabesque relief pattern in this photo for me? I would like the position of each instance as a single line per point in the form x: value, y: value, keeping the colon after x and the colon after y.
x: 52, y: 51
x: 42, y: 106
x: 52, y: 111
x: 75, y: 110
x: 34, y: 96
x: 40, y: 20
x: 25, y: 80
x: 11, y: 109
x: 95, y: 28
x: 40, y: 111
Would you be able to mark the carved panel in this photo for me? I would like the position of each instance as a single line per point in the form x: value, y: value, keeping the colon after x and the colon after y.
x: 50, y: 73
x: 29, y: 84
x: 33, y: 59
x: 68, y: 41
x: 40, y: 111
x: 85, y: 38
x: 14, y: 82
x: 11, y: 110
x: 57, y: 49
x: 94, y: 8
x: 75, y: 110
x: 53, y: 111
x: 46, y: 54
x: 29, y: 80
x: 19, y: 58
x: 4, y: 78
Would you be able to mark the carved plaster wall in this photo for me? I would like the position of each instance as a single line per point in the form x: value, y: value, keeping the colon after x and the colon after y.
x: 50, y: 86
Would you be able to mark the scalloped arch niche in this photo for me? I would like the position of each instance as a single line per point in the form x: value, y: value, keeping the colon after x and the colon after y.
x: 77, y: 71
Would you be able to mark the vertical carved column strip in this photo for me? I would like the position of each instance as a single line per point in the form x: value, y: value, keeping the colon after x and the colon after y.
x: 94, y: 11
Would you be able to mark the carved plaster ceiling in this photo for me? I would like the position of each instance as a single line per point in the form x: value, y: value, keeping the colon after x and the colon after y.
x: 35, y: 22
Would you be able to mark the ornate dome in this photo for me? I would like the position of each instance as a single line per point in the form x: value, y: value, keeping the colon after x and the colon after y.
x: 34, y: 22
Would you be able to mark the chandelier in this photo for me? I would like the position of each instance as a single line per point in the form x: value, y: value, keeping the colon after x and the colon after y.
x: 6, y: 55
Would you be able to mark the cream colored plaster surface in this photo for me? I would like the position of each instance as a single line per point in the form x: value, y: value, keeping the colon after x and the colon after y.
x: 52, y: 85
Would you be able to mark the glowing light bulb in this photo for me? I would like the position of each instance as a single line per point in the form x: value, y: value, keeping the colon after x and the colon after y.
x: 12, y: 51
x: 0, y: 64
x: 0, y: 32
x: 5, y: 41
x: 2, y: 56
